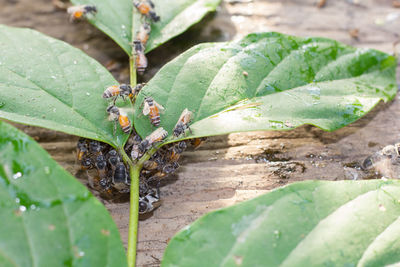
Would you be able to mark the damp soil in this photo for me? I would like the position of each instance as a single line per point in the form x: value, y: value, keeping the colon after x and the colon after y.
x: 232, y: 168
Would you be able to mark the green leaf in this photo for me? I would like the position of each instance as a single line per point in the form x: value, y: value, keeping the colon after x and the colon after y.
x: 313, y: 223
x: 47, y: 217
x: 270, y: 81
x: 114, y: 18
x: 47, y: 83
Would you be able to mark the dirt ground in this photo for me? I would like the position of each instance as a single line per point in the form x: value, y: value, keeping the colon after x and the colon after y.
x: 230, y: 169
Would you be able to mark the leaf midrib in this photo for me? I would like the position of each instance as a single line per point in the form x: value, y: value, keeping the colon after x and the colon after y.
x: 230, y: 253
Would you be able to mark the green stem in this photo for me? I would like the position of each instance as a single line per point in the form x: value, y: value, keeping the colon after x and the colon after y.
x: 133, y: 214
x: 132, y: 65
x: 134, y: 171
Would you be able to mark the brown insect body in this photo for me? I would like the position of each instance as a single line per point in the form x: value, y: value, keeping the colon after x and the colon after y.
x: 141, y: 59
x: 157, y: 136
x: 123, y: 90
x: 78, y: 12
x: 146, y: 8
x: 183, y: 122
x: 123, y: 120
x: 144, y: 33
x: 152, y: 109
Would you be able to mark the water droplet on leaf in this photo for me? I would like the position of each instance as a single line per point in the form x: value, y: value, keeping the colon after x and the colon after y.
x: 46, y: 170
x: 17, y: 175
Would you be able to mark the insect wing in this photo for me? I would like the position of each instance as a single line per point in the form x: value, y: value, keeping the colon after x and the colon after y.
x: 158, y: 105
x: 146, y: 108
x: 73, y: 9
x: 186, y: 116
x: 157, y: 135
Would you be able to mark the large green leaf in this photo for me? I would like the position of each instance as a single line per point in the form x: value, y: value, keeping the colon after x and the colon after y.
x: 47, y: 217
x: 313, y: 223
x: 114, y: 17
x: 46, y: 82
x: 270, y: 81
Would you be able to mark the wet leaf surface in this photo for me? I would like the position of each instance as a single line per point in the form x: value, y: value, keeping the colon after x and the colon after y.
x: 313, y: 223
x: 115, y: 19
x: 48, y: 83
x: 269, y: 81
x: 47, y: 217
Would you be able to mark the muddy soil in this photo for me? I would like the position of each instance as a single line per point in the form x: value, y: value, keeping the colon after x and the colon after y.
x: 229, y: 169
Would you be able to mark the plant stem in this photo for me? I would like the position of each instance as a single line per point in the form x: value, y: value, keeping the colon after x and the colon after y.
x: 132, y: 65
x: 133, y: 214
x: 134, y: 171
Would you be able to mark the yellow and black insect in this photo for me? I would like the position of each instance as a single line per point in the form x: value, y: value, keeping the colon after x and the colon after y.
x: 115, y: 115
x: 141, y: 59
x: 79, y: 12
x: 146, y: 8
x: 122, y: 90
x: 81, y: 149
x: 155, y: 137
x: 152, y: 109
x: 144, y: 33
x: 183, y: 123
x: 197, y: 142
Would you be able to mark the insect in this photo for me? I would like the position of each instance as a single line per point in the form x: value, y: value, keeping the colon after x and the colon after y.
x: 176, y: 151
x: 101, y: 166
x: 152, y: 109
x: 112, y: 158
x: 155, y: 137
x: 95, y: 147
x: 143, y: 187
x: 146, y: 7
x: 151, y: 165
x: 123, y: 90
x: 115, y: 115
x: 86, y: 163
x: 141, y: 59
x: 134, y: 139
x: 78, y: 12
x: 170, y: 168
x: 137, y: 89
x: 82, y: 149
x: 196, y: 142
x: 144, y: 33
x: 125, y: 123
x: 136, y: 152
x: 120, y: 177
x: 183, y: 122
x: 105, y: 184
x: 149, y: 202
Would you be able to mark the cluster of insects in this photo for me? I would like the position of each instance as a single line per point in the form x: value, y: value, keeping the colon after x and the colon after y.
x: 107, y: 172
x: 162, y: 163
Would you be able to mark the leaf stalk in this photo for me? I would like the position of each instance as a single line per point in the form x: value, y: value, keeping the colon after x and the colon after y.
x: 134, y: 171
